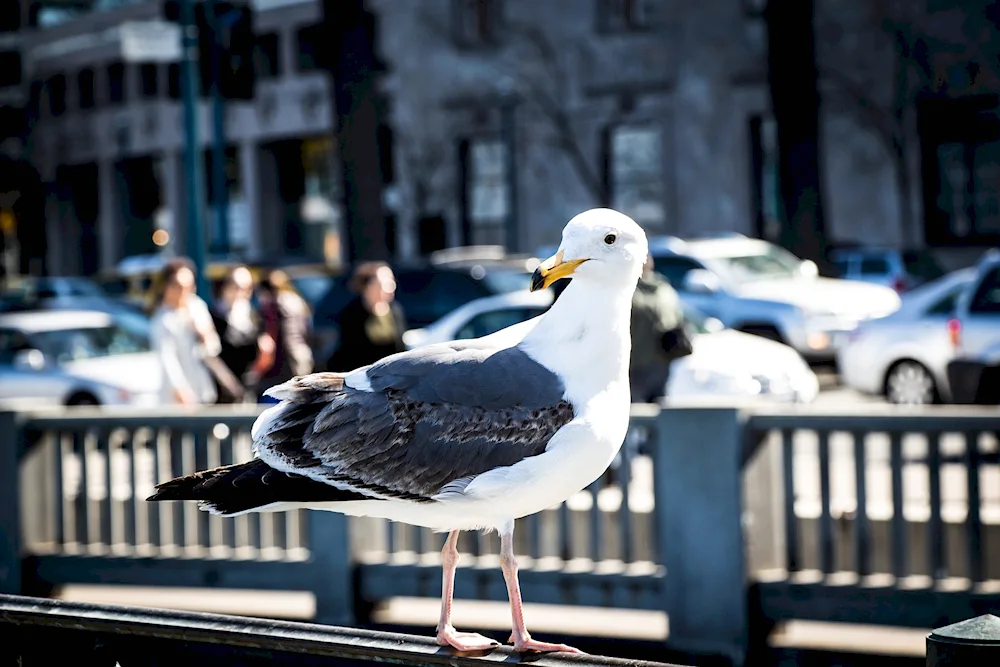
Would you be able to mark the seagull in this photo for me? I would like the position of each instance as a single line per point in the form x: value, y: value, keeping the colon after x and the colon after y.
x: 467, y: 435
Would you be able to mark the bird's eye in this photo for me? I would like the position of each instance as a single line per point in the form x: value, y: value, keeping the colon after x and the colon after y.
x: 610, y: 239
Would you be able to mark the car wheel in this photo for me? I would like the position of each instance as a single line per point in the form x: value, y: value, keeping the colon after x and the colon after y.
x: 82, y: 399
x: 910, y: 383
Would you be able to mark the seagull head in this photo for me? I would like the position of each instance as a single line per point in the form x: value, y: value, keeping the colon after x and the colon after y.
x: 601, y: 246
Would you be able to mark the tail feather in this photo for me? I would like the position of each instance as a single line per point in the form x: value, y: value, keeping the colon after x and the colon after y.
x: 245, y: 487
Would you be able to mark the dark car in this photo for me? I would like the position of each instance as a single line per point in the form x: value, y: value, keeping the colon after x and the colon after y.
x: 425, y: 292
x: 58, y: 293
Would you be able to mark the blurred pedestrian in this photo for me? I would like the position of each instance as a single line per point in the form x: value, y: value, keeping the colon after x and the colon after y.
x: 178, y: 337
x: 244, y: 347
x: 372, y: 324
x: 658, y: 335
x: 287, y: 321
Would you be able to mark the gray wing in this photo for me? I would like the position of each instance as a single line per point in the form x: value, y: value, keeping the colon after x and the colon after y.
x: 435, y: 418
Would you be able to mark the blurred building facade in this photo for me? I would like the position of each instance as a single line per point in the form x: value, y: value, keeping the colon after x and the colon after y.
x: 108, y: 139
x: 523, y: 113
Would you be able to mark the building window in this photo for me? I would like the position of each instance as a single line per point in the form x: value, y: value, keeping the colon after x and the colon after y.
x: 487, y: 197
x: 267, y: 58
x: 310, y: 40
x: 10, y: 68
x: 85, y: 88
x: 625, y: 15
x: 961, y: 151
x: 57, y: 94
x: 174, y: 81
x: 149, y: 75
x: 477, y: 23
x: 116, y: 83
x: 10, y: 16
x: 635, y: 173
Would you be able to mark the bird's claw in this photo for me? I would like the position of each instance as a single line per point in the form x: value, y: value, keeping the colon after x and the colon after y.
x: 529, y: 645
x: 464, y: 641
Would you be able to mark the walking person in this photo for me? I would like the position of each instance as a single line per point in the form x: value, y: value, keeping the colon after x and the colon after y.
x: 286, y: 318
x: 180, y: 339
x: 245, y: 349
x: 372, y: 324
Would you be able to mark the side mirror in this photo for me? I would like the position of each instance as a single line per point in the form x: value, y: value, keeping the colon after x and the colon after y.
x: 29, y: 360
x: 701, y: 281
x: 808, y: 269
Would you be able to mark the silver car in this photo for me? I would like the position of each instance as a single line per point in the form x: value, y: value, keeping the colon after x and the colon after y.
x: 759, y: 288
x: 76, y: 358
x: 905, y: 356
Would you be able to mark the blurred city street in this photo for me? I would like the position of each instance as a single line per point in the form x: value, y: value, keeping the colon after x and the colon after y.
x: 779, y: 220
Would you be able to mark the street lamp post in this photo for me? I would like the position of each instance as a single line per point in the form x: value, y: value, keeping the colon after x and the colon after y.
x: 192, y: 162
x: 220, y: 236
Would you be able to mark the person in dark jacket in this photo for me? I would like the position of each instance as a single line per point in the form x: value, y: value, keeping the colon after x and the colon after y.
x: 658, y: 335
x: 286, y: 318
x: 240, y: 331
x: 372, y: 324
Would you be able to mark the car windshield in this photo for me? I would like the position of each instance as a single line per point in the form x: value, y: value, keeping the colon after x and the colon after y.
x: 505, y: 281
x: 68, y: 345
x: 773, y: 262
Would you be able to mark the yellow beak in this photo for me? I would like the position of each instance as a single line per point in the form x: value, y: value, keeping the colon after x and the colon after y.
x: 552, y: 270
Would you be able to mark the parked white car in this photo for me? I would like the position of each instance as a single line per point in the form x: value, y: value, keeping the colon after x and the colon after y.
x: 757, y: 287
x: 482, y: 317
x: 76, y: 358
x: 905, y: 355
x: 725, y: 363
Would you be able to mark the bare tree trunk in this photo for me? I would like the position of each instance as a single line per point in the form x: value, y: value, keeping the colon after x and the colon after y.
x: 354, y: 68
x: 793, y: 76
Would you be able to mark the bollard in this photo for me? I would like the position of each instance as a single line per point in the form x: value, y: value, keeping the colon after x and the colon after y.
x: 972, y: 642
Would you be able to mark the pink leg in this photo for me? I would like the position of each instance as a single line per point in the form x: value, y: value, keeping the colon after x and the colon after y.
x: 446, y: 633
x: 508, y: 563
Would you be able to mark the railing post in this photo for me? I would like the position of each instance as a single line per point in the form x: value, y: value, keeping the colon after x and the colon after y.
x: 972, y: 642
x: 330, y: 560
x: 10, y: 518
x: 698, y: 505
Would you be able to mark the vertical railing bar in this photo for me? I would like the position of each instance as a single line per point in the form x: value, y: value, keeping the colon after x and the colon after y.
x: 900, y: 541
x: 935, y: 535
x: 595, y: 522
x: 189, y: 539
x: 106, y: 533
x: 83, y: 493
x: 59, y: 500
x: 160, y: 514
x: 625, y: 511
x: 861, y: 528
x: 390, y: 537
x: 420, y: 541
x: 535, y: 526
x: 199, y: 434
x: 791, y: 522
x: 974, y: 525
x: 564, y: 533
x: 825, y: 519
x: 139, y: 520
x: 213, y: 459
x: 226, y: 454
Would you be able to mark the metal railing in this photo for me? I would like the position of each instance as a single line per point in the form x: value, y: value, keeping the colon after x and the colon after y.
x: 884, y: 517
x: 52, y: 632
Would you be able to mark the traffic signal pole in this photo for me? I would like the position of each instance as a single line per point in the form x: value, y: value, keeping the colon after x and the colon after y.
x: 192, y: 158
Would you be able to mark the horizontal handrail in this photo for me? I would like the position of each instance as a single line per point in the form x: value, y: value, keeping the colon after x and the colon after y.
x: 254, y: 634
